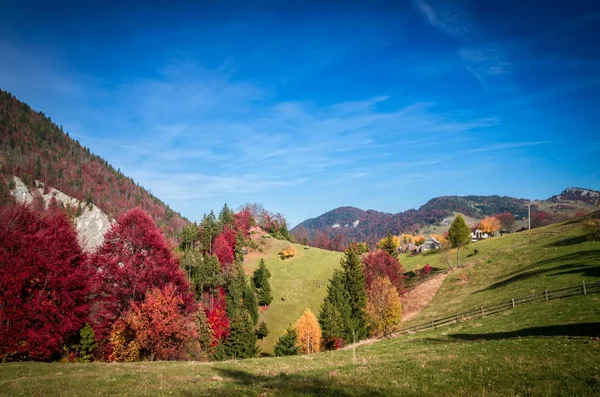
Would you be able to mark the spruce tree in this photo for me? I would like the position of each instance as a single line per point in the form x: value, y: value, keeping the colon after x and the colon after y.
x: 226, y: 217
x: 287, y: 344
x: 208, y: 231
x: 241, y: 311
x: 262, y: 332
x: 353, y: 278
x: 334, y: 312
x: 260, y: 279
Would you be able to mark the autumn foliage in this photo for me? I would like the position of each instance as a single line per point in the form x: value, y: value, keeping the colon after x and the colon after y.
x: 134, y: 258
x: 383, y: 306
x: 217, y: 318
x: 489, y: 224
x: 309, y: 333
x: 158, y: 327
x: 381, y: 263
x: 44, y: 283
x: 288, y: 252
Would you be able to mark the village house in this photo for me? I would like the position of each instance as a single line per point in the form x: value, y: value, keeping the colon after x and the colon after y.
x: 430, y: 244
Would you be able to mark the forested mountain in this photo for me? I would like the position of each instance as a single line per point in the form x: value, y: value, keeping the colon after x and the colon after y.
x: 338, y: 227
x: 33, y: 148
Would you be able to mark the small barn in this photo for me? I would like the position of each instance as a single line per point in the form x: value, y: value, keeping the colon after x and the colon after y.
x: 430, y: 244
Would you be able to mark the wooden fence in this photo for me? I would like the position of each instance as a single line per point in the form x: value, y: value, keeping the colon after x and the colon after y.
x: 482, y: 311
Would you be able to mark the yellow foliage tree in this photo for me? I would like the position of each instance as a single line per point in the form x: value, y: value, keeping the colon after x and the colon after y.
x: 288, y: 252
x: 395, y: 240
x: 443, y: 240
x: 309, y: 333
x: 125, y: 347
x: 407, y: 238
x: 383, y: 306
x: 489, y: 224
x: 419, y: 240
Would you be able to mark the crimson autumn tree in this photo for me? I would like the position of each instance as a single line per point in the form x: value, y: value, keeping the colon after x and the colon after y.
x: 44, y: 282
x: 380, y: 264
x: 133, y: 259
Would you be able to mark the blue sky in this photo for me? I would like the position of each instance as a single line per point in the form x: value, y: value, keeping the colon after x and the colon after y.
x: 307, y: 106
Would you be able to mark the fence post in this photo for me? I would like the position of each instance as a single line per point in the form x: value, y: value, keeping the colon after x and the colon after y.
x: 432, y: 326
x: 482, y: 313
x: 584, y: 291
x: 456, y: 318
x: 546, y: 294
x: 513, y: 302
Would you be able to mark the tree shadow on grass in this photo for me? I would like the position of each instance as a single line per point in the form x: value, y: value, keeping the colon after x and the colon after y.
x: 586, y: 263
x: 564, y: 242
x: 290, y: 385
x: 582, y: 329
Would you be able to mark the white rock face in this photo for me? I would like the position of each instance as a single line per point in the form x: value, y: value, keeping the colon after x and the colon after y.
x: 91, y: 225
x: 335, y: 225
x: 355, y: 223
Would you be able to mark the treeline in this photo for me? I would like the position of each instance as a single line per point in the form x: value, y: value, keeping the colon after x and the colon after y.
x: 33, y: 148
x: 135, y: 298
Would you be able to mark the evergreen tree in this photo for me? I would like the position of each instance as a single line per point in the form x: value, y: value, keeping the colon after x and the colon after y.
x: 205, y: 336
x: 388, y: 245
x: 262, y: 332
x: 334, y: 312
x: 287, y: 343
x: 241, y: 309
x: 260, y: 279
x: 459, y: 235
x: 208, y: 277
x: 239, y: 247
x: 343, y: 314
x: 190, y: 263
x: 283, y: 230
x: 226, y: 217
x: 353, y: 277
x: 188, y: 237
x: 209, y: 229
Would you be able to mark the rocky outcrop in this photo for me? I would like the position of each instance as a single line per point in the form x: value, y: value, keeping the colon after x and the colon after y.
x: 90, y: 222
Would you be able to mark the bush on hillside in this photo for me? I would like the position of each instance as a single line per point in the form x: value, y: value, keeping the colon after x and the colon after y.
x: 593, y: 228
x: 287, y: 252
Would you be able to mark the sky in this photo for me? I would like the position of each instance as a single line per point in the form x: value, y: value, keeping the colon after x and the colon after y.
x: 308, y: 106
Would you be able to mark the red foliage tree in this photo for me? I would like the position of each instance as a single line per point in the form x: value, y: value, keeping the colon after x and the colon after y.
x: 217, y: 318
x: 322, y: 240
x: 223, y: 249
x: 507, y: 220
x: 381, y: 263
x: 243, y: 221
x: 44, y: 282
x: 133, y: 259
x: 162, y: 329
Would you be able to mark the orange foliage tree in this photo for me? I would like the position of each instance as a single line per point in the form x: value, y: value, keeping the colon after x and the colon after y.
x: 157, y: 328
x: 443, y: 240
x: 407, y: 238
x: 419, y: 240
x: 309, y: 333
x: 489, y: 224
x: 383, y: 306
x: 287, y: 252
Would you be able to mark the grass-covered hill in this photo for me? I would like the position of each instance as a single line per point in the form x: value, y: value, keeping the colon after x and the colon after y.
x: 297, y: 283
x: 33, y: 148
x: 539, y: 349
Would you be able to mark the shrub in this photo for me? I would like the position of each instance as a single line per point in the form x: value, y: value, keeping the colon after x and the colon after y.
x: 288, y: 252
x: 287, y: 344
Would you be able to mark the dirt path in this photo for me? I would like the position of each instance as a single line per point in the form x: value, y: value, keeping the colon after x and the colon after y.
x: 415, y: 300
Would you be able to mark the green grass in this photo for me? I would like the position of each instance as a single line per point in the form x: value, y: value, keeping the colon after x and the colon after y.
x: 517, y: 265
x: 510, y: 354
x: 295, y: 280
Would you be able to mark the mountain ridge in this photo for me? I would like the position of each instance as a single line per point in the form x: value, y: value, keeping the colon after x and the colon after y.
x: 374, y: 224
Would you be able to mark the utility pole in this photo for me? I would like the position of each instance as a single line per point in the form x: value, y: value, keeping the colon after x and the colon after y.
x: 529, y: 215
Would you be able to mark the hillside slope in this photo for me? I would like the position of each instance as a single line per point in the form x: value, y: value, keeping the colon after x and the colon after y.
x: 33, y: 148
x: 297, y: 283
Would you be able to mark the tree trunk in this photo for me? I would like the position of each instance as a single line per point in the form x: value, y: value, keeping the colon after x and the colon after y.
x: 458, y: 256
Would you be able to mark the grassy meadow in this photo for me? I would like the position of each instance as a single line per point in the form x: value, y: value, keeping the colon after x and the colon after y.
x: 538, y: 349
x: 297, y: 281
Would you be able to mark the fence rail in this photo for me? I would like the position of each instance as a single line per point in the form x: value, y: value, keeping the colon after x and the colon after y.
x: 482, y: 311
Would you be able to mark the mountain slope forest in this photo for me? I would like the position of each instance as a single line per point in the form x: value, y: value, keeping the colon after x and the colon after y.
x: 337, y: 228
x: 33, y: 148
